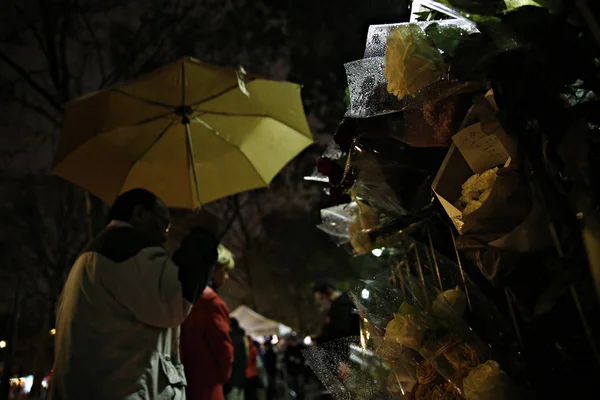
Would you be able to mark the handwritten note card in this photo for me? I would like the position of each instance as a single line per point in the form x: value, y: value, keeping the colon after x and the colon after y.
x: 480, y: 150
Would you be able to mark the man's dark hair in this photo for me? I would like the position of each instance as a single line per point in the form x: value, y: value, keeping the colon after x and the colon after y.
x: 122, y: 208
x: 323, y: 286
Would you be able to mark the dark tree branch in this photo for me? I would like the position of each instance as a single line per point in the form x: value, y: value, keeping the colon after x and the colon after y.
x: 97, y: 45
x: 30, y: 25
x: 163, y: 39
x: 78, y: 77
x: 117, y: 72
x: 38, y: 109
x: 48, y: 24
x: 65, y: 92
x: 34, y: 85
x: 231, y: 220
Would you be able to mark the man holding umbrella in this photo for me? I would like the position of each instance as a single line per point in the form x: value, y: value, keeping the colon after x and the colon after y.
x: 118, y: 320
x: 192, y: 133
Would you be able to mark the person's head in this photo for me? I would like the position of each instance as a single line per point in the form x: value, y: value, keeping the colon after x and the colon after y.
x: 235, y: 328
x: 294, y: 339
x: 324, y: 291
x: 144, y: 211
x: 225, y: 263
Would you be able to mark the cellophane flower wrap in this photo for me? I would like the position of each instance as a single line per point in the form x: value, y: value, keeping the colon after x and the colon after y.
x: 428, y: 334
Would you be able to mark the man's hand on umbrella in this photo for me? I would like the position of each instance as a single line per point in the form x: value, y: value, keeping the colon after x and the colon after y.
x: 196, y: 259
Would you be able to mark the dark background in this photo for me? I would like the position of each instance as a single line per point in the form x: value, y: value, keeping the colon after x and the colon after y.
x: 52, y: 52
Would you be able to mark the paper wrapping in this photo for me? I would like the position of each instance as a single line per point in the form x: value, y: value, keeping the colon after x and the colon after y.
x: 510, y: 218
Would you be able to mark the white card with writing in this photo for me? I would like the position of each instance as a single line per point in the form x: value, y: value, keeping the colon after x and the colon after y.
x: 482, y: 151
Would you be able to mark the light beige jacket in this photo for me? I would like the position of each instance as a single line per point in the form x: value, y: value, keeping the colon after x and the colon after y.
x: 117, y: 332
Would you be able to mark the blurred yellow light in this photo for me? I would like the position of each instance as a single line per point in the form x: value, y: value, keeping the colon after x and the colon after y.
x: 2, y: 344
x: 53, y: 332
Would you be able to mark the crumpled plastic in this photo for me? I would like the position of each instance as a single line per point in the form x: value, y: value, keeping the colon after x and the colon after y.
x: 368, y: 89
x: 367, y: 83
x: 335, y: 221
x: 377, y: 34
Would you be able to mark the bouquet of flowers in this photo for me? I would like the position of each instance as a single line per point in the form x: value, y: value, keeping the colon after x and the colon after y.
x: 495, y: 110
x: 427, y: 333
x: 416, y: 319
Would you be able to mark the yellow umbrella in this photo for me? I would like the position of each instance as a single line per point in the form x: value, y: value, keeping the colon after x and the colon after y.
x: 189, y: 132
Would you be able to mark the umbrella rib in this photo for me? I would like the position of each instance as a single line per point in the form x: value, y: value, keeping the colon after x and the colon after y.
x: 156, y: 103
x: 217, y: 134
x: 249, y: 116
x: 160, y: 136
x: 101, y: 132
x: 144, y: 153
x: 142, y: 122
x: 143, y: 100
x: 214, y: 96
x: 183, y: 78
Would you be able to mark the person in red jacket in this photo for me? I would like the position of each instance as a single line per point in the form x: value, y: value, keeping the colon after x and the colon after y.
x: 206, y: 349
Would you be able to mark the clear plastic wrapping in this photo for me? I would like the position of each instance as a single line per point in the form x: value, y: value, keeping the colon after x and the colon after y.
x: 427, y: 333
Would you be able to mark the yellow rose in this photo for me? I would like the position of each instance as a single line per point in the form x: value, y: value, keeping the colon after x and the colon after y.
x: 426, y: 373
x: 406, y: 330
x: 447, y: 301
x: 359, y: 238
x: 434, y: 392
x: 411, y: 61
x: 462, y: 356
x: 390, y: 350
x: 486, y: 382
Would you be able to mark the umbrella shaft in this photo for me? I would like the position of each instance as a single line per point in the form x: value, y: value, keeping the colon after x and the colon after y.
x: 192, y: 160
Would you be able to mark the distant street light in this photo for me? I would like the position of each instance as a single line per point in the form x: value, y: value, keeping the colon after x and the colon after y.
x: 365, y: 294
x: 377, y: 252
x: 2, y: 344
x: 53, y: 331
x: 308, y: 340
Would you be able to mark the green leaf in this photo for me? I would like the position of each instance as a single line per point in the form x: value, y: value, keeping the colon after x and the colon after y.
x: 347, y: 97
x: 475, y: 9
x: 447, y: 38
x: 512, y: 4
x: 482, y: 7
x: 423, y: 15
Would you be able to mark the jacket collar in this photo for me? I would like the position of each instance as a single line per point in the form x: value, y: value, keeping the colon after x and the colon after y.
x: 118, y: 224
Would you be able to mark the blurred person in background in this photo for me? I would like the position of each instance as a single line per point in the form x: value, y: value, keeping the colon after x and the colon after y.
x: 271, y: 368
x: 253, y: 362
x: 295, y: 367
x: 342, y: 320
x: 118, y: 318
x: 206, y: 348
x: 234, y: 389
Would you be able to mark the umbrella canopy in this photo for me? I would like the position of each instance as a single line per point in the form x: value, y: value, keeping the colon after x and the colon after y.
x: 258, y: 326
x: 189, y: 132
